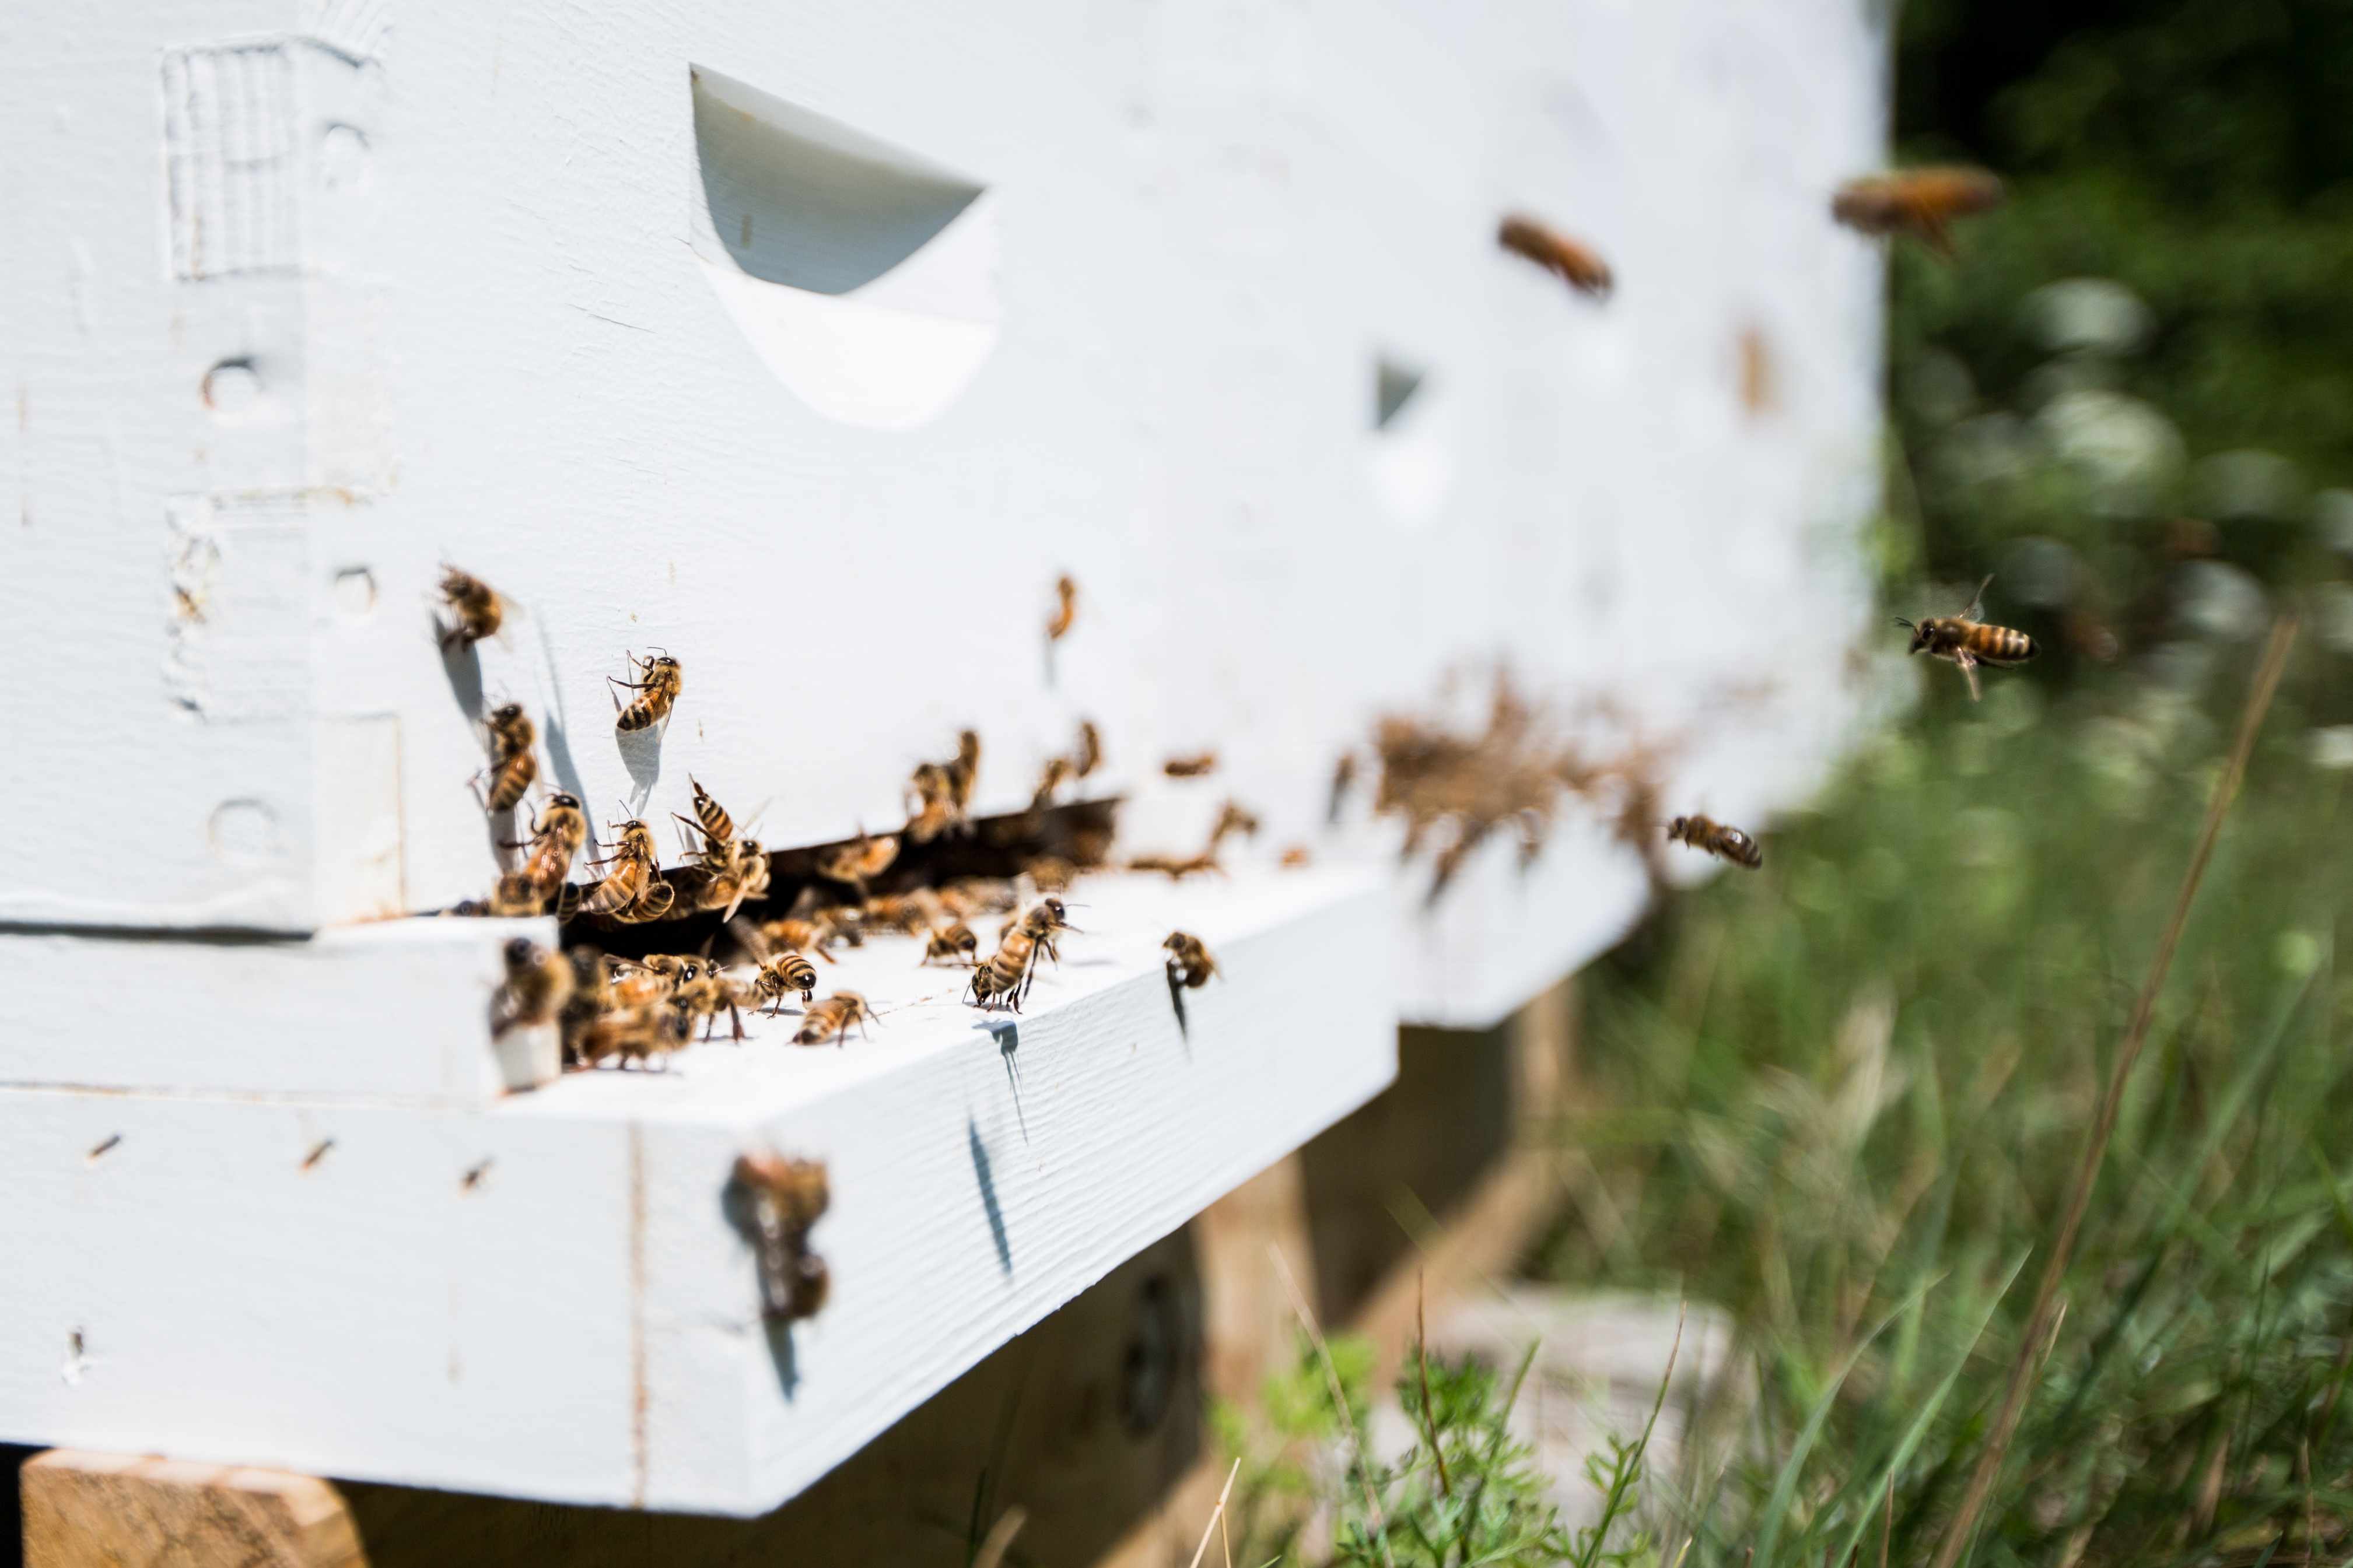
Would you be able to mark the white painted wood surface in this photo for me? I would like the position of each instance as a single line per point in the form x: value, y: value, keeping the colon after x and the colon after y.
x: 317, y: 1285
x: 398, y: 1010
x: 300, y: 297
x: 303, y: 296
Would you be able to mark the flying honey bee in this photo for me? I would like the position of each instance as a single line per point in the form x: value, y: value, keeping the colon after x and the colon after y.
x: 1047, y: 874
x: 513, y: 766
x: 1231, y: 819
x: 514, y: 895
x: 786, y: 1197
x: 970, y: 895
x: 659, y: 681
x: 633, y: 890
x: 951, y: 944
x: 1968, y: 642
x: 1297, y: 857
x: 476, y: 610
x: 932, y: 807
x: 1717, y: 838
x: 1572, y: 261
x: 710, y: 819
x: 1066, y: 608
x: 1088, y: 756
x: 781, y: 976
x: 1919, y: 202
x: 832, y: 1018
x: 1197, y: 766
x: 964, y: 771
x: 863, y: 858
x: 1189, y: 964
x: 537, y: 984
x: 724, y: 879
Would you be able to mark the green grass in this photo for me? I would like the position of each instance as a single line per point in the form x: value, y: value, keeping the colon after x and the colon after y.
x: 1845, y: 1097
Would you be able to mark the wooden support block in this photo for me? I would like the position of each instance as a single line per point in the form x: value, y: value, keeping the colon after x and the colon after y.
x: 85, y: 1510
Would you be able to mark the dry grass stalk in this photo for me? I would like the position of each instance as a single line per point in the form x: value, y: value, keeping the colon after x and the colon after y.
x: 1339, y: 1397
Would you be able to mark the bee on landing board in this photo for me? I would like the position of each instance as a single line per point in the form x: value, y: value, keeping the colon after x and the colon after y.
x: 1717, y: 838
x: 1045, y: 919
x: 832, y: 1019
x: 710, y: 994
x: 1004, y: 979
x: 781, y: 976
x: 1189, y: 964
x: 538, y: 983
x: 952, y: 943
x: 660, y: 681
x: 1968, y: 642
x: 1573, y: 262
x: 787, y: 1198
x: 633, y: 1034
x: 1919, y: 202
x: 476, y: 611
x: 1066, y: 608
x: 513, y: 766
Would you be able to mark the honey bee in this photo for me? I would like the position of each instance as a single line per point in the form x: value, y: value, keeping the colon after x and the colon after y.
x: 645, y: 982
x: 709, y: 993
x: 1047, y: 874
x: 1044, y: 920
x: 863, y: 858
x: 1066, y: 608
x: 1089, y: 753
x: 1177, y: 868
x: 1920, y: 202
x: 932, y: 810
x: 1190, y: 767
x: 513, y: 766
x: 1231, y: 819
x: 1189, y: 964
x: 782, y: 975
x: 514, y: 895
x: 475, y: 609
x: 710, y: 819
x: 556, y: 838
x: 803, y: 936
x: 908, y: 913
x: 724, y: 881
x: 786, y: 1197
x: 660, y: 682
x: 833, y: 1018
x: 591, y: 995
x: 1968, y: 642
x: 1573, y: 262
x: 633, y: 890
x: 970, y: 895
x: 1006, y: 977
x: 1297, y: 857
x: 1059, y: 771
x: 1717, y: 838
x: 951, y: 944
x: 633, y: 1034
x: 538, y: 983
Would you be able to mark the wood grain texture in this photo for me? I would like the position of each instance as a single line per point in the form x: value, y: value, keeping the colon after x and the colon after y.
x: 547, y: 1296
x: 112, y: 1511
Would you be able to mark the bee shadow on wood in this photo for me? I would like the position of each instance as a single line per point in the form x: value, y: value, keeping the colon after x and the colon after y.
x: 1008, y: 1043
x: 641, y: 754
x: 1176, y: 1005
x: 988, y: 1204
x: 463, y: 669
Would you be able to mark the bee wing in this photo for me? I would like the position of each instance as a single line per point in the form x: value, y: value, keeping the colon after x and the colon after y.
x: 1976, y: 610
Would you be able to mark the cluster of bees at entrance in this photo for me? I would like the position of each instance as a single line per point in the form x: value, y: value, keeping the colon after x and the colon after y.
x: 639, y: 1009
x: 1506, y: 781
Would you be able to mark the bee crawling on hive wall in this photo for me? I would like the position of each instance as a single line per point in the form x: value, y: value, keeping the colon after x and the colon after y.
x: 537, y: 985
x: 512, y: 767
x: 1922, y: 202
x: 1066, y: 608
x: 1717, y: 838
x: 1967, y: 642
x: 659, y: 682
x: 476, y: 611
x: 1572, y: 261
x: 784, y: 1200
x: 633, y: 891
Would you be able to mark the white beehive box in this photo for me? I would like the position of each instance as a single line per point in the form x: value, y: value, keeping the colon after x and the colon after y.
x: 810, y: 342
